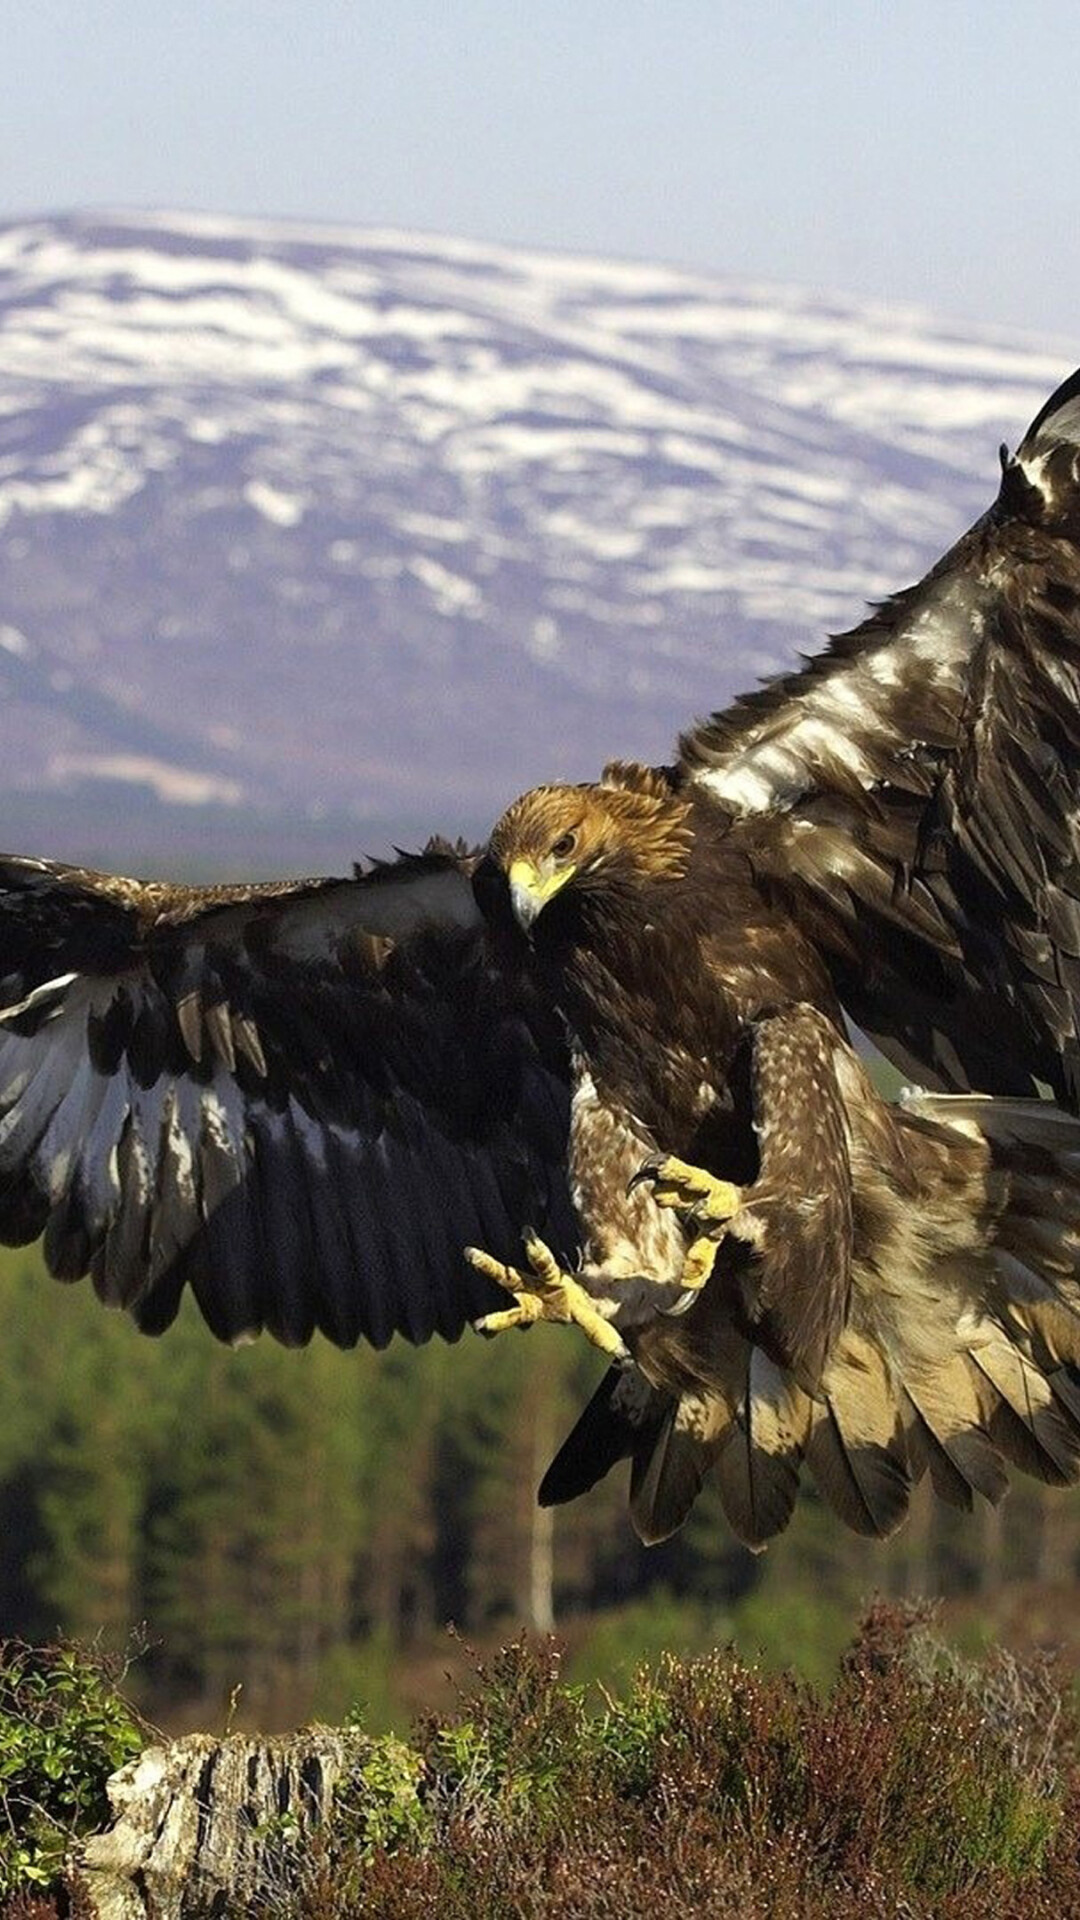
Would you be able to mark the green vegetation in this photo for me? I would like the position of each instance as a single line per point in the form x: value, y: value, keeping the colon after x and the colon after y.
x: 919, y: 1784
x: 64, y: 1728
x: 303, y: 1526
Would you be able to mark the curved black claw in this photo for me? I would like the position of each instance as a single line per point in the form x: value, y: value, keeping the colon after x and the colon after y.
x: 649, y: 1169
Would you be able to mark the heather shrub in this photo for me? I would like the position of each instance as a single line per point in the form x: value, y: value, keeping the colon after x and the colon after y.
x: 920, y: 1785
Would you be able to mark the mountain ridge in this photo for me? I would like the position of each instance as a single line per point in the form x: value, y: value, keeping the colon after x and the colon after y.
x: 339, y: 528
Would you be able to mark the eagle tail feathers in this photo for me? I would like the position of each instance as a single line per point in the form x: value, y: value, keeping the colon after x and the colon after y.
x: 623, y: 1420
x: 759, y: 1459
x: 666, y: 1476
x: 948, y: 1422
x: 858, y: 1449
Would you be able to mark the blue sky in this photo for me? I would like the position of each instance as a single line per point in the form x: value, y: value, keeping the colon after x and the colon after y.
x: 895, y: 148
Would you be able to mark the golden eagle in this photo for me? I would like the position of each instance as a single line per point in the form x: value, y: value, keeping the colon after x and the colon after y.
x: 602, y: 1067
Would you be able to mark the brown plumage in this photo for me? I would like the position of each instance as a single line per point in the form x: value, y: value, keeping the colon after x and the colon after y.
x: 620, y: 1026
x: 862, y: 1293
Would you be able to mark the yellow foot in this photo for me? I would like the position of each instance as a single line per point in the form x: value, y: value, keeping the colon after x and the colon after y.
x: 544, y: 1293
x: 689, y: 1190
x: 705, y: 1204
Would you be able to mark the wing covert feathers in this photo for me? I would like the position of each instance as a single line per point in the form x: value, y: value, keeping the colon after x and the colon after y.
x: 914, y: 792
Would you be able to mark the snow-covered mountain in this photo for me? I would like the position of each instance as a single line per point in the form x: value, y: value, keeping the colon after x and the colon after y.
x: 373, y: 529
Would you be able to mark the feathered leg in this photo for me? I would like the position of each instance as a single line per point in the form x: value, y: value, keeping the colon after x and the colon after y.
x: 796, y: 1216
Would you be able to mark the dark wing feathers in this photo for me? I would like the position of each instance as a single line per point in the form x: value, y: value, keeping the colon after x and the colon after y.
x: 913, y: 795
x: 301, y: 1103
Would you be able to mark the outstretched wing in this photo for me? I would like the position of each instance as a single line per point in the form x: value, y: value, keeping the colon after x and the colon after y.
x: 302, y: 1101
x: 913, y: 795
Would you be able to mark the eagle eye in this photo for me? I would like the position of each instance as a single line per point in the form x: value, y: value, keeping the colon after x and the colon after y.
x: 564, y: 846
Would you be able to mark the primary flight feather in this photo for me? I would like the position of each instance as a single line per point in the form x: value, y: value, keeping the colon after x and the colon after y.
x: 599, y: 1072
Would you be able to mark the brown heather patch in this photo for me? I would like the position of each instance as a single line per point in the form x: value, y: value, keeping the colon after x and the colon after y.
x: 919, y: 1787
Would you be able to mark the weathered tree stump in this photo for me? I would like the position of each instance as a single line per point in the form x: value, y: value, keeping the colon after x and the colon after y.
x: 205, y: 1825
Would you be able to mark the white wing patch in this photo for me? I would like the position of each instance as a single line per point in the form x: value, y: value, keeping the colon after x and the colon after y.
x: 44, y: 1068
x: 48, y: 990
x: 776, y: 772
x: 843, y: 719
x: 72, y: 1121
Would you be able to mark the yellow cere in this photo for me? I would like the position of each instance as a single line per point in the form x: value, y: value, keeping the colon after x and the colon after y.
x: 525, y: 875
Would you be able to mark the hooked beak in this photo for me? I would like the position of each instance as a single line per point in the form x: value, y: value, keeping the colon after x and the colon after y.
x: 531, y: 889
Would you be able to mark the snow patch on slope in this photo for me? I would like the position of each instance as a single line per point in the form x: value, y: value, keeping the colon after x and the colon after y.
x: 329, y: 500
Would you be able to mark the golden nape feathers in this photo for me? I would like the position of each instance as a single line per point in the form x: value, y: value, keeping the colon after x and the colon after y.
x: 642, y: 828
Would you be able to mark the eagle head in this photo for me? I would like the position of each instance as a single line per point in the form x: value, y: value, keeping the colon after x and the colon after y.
x: 590, y: 839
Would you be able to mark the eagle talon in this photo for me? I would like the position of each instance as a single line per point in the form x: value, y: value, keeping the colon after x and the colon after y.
x: 544, y: 1293
x: 522, y: 1316
x: 704, y: 1201
x: 648, y: 1170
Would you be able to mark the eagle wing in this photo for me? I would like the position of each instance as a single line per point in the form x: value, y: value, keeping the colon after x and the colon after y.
x: 912, y: 796
x: 302, y: 1101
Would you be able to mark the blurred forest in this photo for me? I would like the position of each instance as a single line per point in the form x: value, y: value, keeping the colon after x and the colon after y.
x: 303, y: 1526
